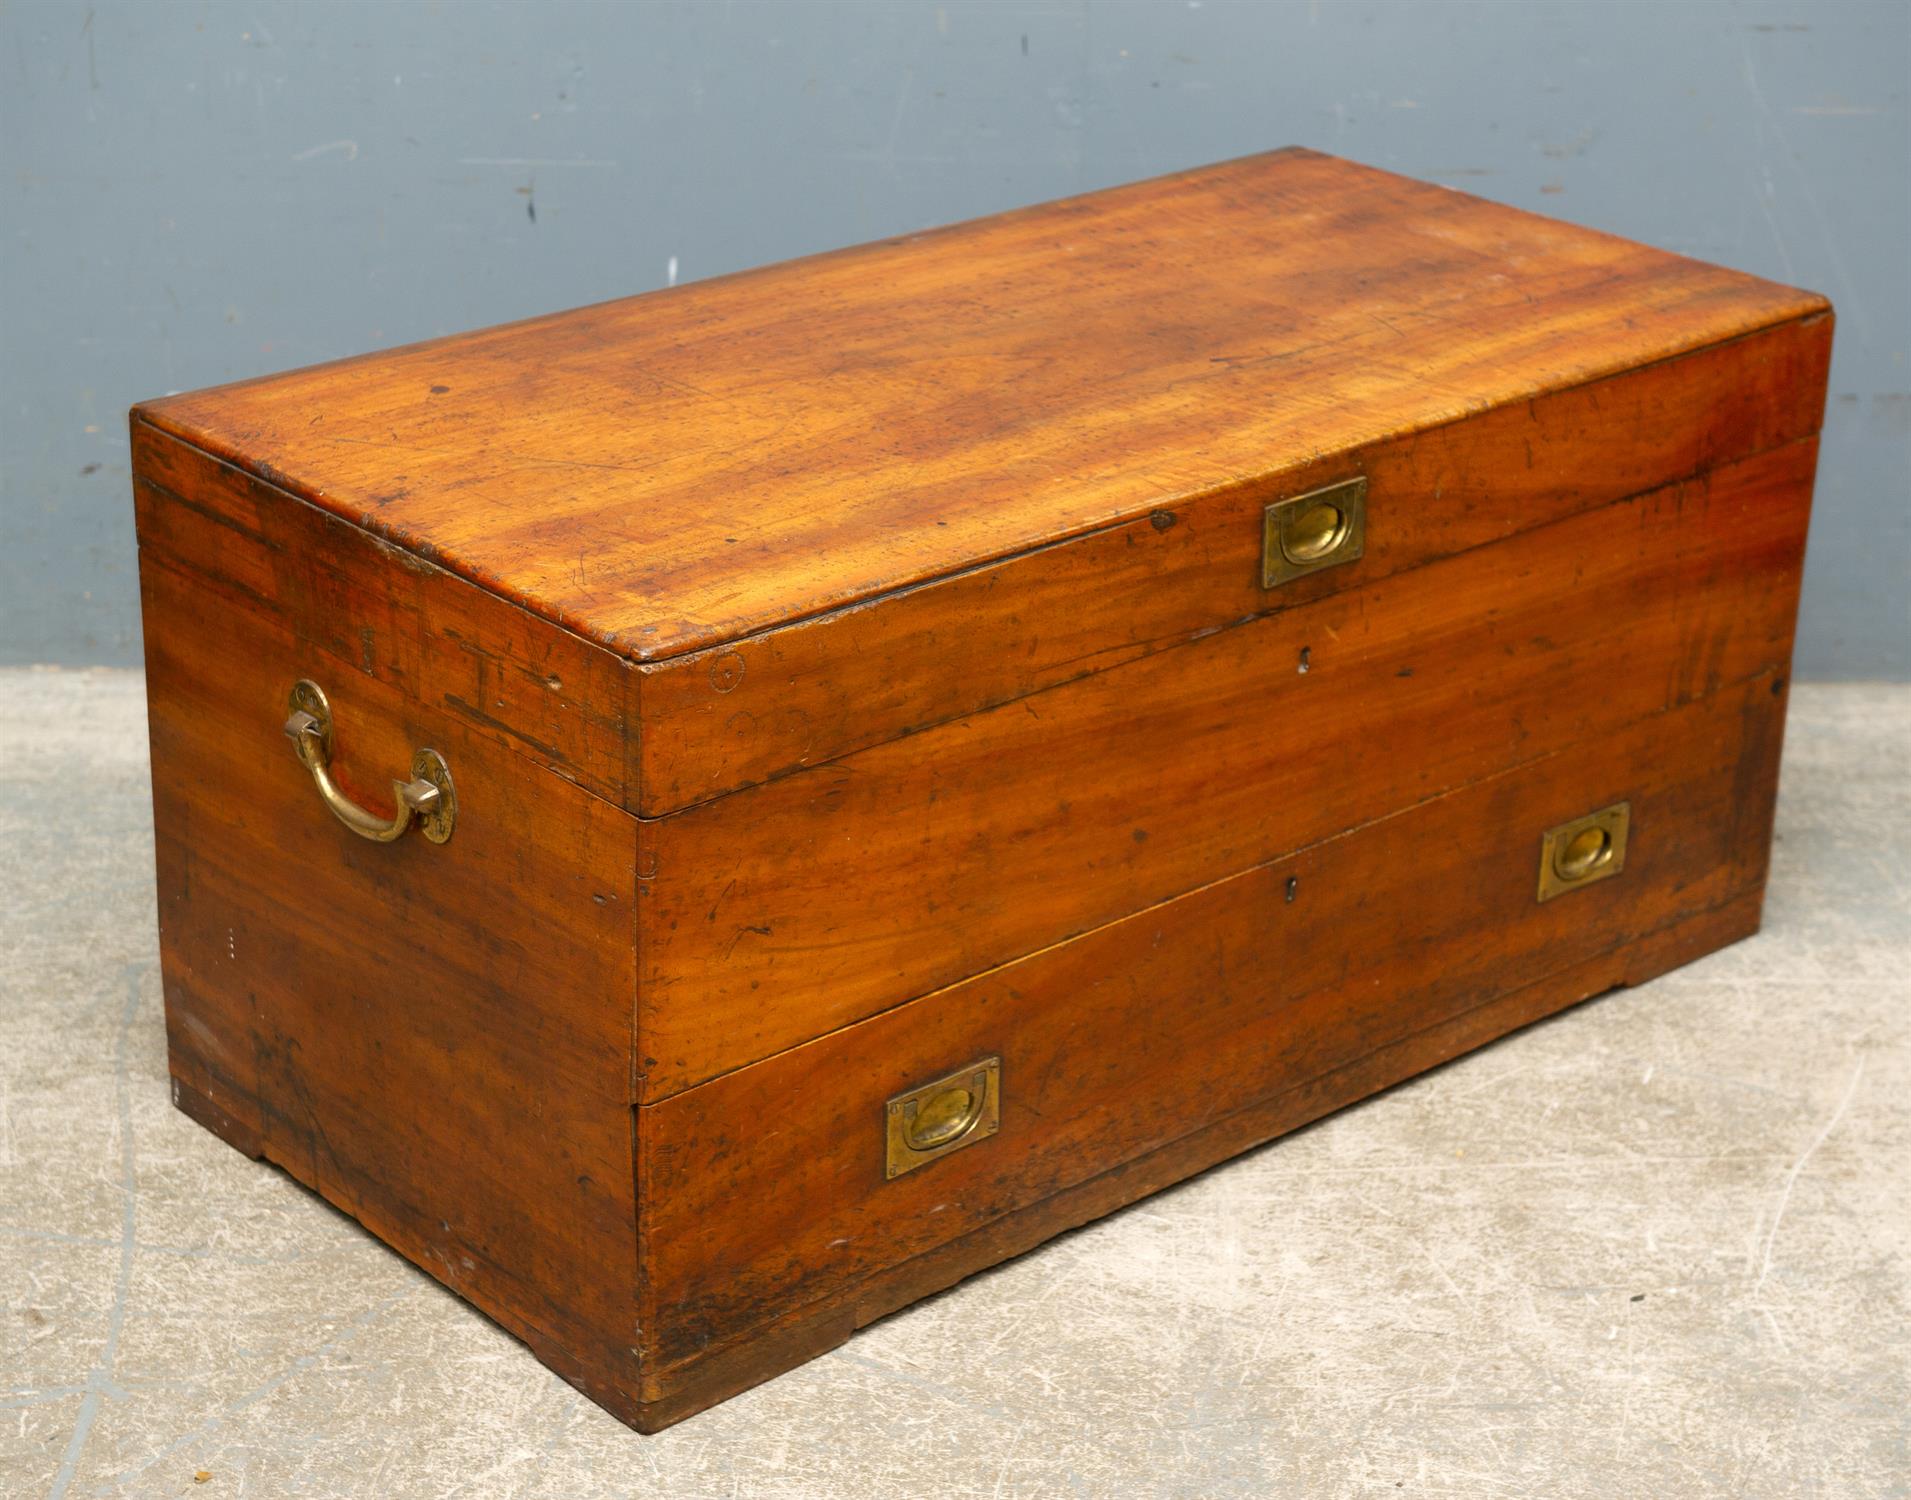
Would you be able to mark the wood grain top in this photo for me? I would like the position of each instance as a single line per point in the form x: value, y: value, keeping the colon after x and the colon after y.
x: 671, y: 471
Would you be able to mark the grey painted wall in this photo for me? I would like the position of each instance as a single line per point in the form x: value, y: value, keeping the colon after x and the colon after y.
x: 197, y: 192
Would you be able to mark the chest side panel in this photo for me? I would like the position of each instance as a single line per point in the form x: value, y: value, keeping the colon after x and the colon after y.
x: 435, y: 1037
x: 377, y: 611
x: 784, y: 911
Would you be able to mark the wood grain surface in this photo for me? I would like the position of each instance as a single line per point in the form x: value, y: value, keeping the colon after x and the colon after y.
x: 669, y: 472
x: 672, y: 1393
x: 791, y: 908
x: 810, y: 692
x: 1164, y: 1022
x: 714, y: 720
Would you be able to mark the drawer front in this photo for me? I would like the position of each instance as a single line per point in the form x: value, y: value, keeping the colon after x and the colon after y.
x: 795, y: 907
x: 435, y: 1036
x: 771, y: 1189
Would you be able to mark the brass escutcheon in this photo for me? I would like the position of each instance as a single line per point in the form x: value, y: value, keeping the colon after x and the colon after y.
x: 943, y: 1115
x: 1584, y: 851
x: 1320, y: 529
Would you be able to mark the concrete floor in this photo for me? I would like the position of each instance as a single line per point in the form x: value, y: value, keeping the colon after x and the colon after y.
x: 1658, y: 1246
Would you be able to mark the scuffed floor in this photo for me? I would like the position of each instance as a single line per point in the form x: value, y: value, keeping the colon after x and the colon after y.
x: 1658, y: 1246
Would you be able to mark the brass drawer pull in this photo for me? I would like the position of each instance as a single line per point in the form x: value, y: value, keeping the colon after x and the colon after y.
x: 945, y: 1115
x: 427, y: 797
x: 1583, y: 851
x: 1320, y: 529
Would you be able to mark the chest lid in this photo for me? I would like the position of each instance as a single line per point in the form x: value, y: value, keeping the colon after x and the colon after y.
x: 1037, y: 443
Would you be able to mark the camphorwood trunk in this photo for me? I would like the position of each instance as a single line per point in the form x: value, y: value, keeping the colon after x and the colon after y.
x: 1181, y: 648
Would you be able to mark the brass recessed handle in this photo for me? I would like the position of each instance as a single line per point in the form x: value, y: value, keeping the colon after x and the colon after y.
x: 1320, y: 529
x: 427, y: 798
x: 944, y: 1115
x: 1588, y: 849
x: 1583, y: 853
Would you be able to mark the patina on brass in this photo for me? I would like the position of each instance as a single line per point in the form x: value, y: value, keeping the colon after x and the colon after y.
x: 1584, y: 851
x: 426, y: 799
x: 944, y: 1115
x: 1320, y: 529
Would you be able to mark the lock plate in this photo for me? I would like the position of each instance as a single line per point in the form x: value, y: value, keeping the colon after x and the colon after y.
x: 1320, y: 529
x: 943, y: 1115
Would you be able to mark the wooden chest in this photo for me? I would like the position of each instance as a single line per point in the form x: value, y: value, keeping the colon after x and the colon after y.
x: 844, y: 771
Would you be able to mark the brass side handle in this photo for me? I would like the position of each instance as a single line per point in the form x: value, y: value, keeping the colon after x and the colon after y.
x: 427, y: 798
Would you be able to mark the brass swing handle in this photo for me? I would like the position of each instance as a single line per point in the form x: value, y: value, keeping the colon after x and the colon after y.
x: 427, y: 798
